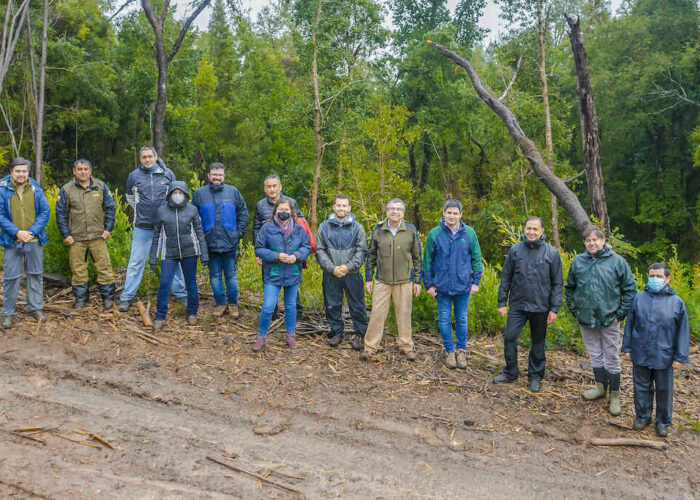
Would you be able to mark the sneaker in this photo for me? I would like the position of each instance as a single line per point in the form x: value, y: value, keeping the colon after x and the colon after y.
x: 535, y: 385
x: 182, y: 301
x: 661, y: 430
x: 639, y: 424
x: 124, y: 305
x: 38, y: 315
x: 291, y: 341
x: 503, y: 379
x: 191, y: 320
x: 7, y: 321
x: 219, y: 311
x: 108, y: 304
x: 365, y: 355
x: 335, y: 340
x: 258, y: 346
x: 411, y: 355
x: 462, y: 359
x: 357, y: 341
x: 78, y: 305
x: 233, y: 311
x: 158, y: 325
x: 451, y: 360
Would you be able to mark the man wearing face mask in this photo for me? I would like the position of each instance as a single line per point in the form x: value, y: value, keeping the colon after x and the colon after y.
x: 531, y: 284
x: 599, y: 290
x: 656, y: 340
x: 224, y: 221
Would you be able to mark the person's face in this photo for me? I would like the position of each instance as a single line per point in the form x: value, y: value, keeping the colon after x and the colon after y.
x: 534, y: 230
x: 341, y: 208
x: 284, y: 207
x: 82, y: 172
x: 452, y: 216
x: 659, y: 273
x: 395, y: 213
x: 20, y: 174
x: 273, y: 188
x: 176, y: 191
x: 594, y: 243
x: 217, y: 177
x: 148, y: 158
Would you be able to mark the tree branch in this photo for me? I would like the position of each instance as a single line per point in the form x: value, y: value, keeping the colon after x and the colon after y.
x: 185, y: 27
x: 512, y: 80
x: 151, y: 15
x: 577, y: 176
x: 124, y: 6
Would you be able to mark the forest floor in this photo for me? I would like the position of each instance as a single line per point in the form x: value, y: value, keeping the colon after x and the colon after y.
x: 123, y: 415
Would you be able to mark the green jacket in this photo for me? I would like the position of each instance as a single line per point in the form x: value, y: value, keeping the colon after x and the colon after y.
x: 600, y: 288
x: 396, y: 259
x: 85, y: 212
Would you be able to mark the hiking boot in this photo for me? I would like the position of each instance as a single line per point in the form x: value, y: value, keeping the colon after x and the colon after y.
x: 108, y: 304
x: 411, y: 355
x: 291, y: 341
x: 661, y: 430
x: 107, y: 293
x: 365, y: 355
x: 462, y: 359
x: 38, y: 315
x: 233, y: 311
x: 7, y: 321
x: 357, y: 341
x: 597, y: 392
x: 124, y: 305
x: 79, y: 304
x: 451, y: 360
x: 158, y: 325
x: 639, y: 424
x: 535, y: 385
x: 219, y: 311
x: 191, y: 320
x: 614, y: 403
x: 258, y: 346
x: 81, y: 293
x: 503, y: 378
x: 335, y: 340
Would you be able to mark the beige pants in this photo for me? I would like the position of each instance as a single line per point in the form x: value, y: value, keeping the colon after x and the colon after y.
x: 79, y: 263
x: 382, y: 295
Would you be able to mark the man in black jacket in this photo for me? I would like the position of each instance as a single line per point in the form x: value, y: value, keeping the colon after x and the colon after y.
x: 532, y: 284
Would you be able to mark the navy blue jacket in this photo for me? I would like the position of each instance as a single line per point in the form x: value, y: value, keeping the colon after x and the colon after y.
x: 8, y: 229
x: 146, y: 191
x: 271, y: 242
x: 224, y: 216
x: 657, y: 331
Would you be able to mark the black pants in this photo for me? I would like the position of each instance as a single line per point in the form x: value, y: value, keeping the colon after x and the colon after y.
x: 300, y: 308
x: 644, y: 381
x: 333, y: 289
x: 538, y: 329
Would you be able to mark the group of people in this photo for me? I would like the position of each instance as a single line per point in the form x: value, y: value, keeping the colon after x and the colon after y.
x: 181, y: 228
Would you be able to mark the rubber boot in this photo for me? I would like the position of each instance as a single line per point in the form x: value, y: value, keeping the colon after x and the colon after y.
x: 614, y: 394
x: 601, y: 388
x: 81, y: 293
x: 107, y: 292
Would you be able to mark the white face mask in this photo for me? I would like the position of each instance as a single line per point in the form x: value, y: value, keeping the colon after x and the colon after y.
x: 177, y: 198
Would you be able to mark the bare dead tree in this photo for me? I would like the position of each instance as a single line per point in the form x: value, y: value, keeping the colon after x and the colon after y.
x: 318, y: 120
x: 566, y: 197
x: 163, y: 59
x: 40, y: 100
x: 512, y: 80
x: 676, y: 92
x: 589, y: 127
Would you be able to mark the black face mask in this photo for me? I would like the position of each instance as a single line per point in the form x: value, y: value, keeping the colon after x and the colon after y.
x: 283, y: 216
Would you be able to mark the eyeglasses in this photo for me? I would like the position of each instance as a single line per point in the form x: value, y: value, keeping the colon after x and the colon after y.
x: 394, y: 209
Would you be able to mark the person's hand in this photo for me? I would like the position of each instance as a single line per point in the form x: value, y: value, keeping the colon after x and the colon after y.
x: 337, y: 272
x: 677, y: 365
x: 502, y: 311
x: 258, y: 260
x: 106, y: 234
x: 627, y: 356
x: 432, y: 291
x: 292, y: 258
x: 369, y: 286
x: 282, y: 257
x: 551, y: 317
x: 474, y: 290
x: 416, y: 289
x: 68, y: 240
x: 24, y: 236
x: 343, y: 269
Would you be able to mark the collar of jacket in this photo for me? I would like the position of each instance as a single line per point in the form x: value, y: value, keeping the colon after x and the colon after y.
x: 533, y: 244
x: 604, y: 252
x: 385, y: 225
x: 156, y: 170
x: 444, y: 225
x: 349, y: 219
x: 666, y: 290
x: 6, y: 182
x: 216, y: 189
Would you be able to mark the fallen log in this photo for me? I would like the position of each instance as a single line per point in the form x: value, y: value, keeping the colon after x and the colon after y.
x: 657, y: 445
x: 144, y: 315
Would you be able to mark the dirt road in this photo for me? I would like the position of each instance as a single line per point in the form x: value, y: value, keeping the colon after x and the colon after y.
x: 318, y: 421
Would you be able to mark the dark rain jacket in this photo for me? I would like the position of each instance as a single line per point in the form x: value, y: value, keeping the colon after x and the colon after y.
x: 146, y: 191
x: 396, y: 259
x: 531, y: 279
x: 599, y: 288
x: 341, y: 243
x: 178, y: 230
x: 85, y: 212
x: 224, y: 216
x: 271, y: 242
x: 42, y: 212
x: 263, y: 213
x: 657, y: 331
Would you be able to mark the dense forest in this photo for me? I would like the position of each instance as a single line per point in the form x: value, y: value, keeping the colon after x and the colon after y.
x: 346, y: 95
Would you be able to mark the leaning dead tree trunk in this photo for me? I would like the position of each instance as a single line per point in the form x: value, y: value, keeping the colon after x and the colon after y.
x: 566, y: 197
x: 318, y: 121
x: 589, y: 128
x: 163, y: 59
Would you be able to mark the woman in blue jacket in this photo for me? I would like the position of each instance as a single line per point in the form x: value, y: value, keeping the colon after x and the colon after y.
x: 283, y: 246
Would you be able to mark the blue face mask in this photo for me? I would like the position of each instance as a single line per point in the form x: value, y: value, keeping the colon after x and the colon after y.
x: 655, y: 284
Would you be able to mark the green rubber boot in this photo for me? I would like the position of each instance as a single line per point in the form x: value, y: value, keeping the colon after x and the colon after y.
x: 614, y: 403
x: 597, y: 392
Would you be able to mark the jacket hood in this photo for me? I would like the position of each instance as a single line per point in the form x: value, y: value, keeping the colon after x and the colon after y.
x: 666, y: 290
x: 606, y: 251
x: 349, y: 219
x: 182, y: 186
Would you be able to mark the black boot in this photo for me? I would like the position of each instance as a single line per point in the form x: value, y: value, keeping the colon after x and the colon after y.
x: 82, y: 294
x: 107, y: 292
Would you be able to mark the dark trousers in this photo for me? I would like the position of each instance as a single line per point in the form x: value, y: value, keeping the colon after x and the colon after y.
x: 300, y: 308
x: 644, y: 381
x: 538, y: 329
x: 353, y: 287
x: 168, y: 268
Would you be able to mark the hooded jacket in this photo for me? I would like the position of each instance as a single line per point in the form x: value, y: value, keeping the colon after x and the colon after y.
x: 271, y: 242
x: 8, y: 229
x: 146, y: 191
x: 452, y: 262
x: 341, y: 243
x: 599, y: 288
x: 395, y: 259
x: 85, y: 212
x: 531, y: 279
x: 224, y: 216
x: 263, y: 212
x: 657, y: 332
x: 178, y: 230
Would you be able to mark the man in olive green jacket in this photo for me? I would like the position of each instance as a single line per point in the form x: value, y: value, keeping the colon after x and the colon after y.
x: 394, y: 253
x: 85, y: 212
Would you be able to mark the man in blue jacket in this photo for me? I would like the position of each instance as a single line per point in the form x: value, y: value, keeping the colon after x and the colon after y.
x: 657, y: 338
x: 24, y: 213
x: 224, y: 217
x: 451, y: 273
x: 146, y: 189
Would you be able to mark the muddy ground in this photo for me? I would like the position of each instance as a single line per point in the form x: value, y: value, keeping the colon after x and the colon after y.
x: 317, y: 421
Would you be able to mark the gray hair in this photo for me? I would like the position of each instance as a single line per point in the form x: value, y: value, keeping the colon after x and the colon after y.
x: 537, y: 218
x: 395, y: 201
x: 82, y: 161
x: 144, y: 148
x: 273, y: 176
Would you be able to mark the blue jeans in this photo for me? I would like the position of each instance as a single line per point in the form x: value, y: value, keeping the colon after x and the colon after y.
x: 223, y: 263
x: 141, y: 241
x: 168, y: 268
x: 270, y: 294
x: 445, y: 303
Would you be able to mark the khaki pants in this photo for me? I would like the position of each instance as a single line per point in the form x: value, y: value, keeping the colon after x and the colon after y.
x: 382, y: 295
x: 79, y: 264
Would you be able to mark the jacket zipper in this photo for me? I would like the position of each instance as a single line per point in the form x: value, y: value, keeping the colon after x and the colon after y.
x: 177, y: 230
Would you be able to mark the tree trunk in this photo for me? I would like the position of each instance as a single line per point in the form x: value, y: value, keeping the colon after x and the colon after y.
x: 38, y: 142
x: 589, y: 128
x: 566, y: 197
x: 11, y: 30
x: 318, y: 123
